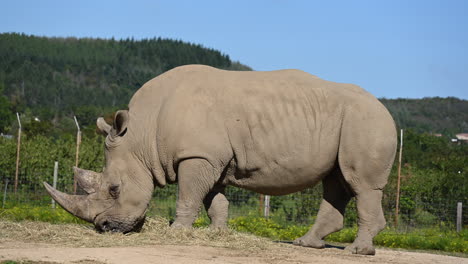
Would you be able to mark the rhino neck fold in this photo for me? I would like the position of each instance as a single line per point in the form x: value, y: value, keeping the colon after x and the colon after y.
x: 143, y: 131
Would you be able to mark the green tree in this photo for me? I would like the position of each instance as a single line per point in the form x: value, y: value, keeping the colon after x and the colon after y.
x: 6, y: 115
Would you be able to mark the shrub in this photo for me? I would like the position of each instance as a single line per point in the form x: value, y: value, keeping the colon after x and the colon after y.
x: 39, y: 213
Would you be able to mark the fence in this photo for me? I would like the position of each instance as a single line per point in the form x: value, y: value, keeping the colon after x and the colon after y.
x: 300, y: 208
x: 38, y: 155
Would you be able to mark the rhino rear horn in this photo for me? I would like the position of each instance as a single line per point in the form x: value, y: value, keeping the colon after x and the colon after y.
x: 77, y: 205
x: 88, y: 180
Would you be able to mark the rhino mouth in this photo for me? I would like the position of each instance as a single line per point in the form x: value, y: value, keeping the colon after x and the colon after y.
x: 118, y: 226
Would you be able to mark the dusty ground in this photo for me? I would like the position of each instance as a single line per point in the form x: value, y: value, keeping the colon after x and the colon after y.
x: 203, y: 254
x: 39, y: 242
x: 48, y: 253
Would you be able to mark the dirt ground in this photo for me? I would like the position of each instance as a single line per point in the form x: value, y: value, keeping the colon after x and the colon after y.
x: 40, y: 242
x: 172, y: 254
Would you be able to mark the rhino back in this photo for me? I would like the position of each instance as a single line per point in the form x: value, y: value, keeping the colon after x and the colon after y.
x: 279, y: 131
x: 272, y: 132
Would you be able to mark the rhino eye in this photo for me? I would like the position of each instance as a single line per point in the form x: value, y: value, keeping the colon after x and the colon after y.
x: 114, y: 191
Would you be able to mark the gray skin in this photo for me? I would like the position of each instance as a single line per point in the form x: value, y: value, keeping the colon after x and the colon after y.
x: 274, y: 133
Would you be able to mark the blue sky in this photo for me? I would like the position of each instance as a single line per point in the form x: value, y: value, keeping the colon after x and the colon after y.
x: 392, y: 48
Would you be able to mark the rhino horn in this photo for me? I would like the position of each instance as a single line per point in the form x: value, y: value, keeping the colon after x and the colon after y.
x: 88, y: 180
x: 77, y: 205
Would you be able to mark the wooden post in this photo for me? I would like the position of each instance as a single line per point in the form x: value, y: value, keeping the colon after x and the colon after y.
x: 4, y: 193
x: 18, y: 147
x: 54, y: 183
x: 77, y: 154
x: 266, y: 211
x: 459, y: 216
x: 397, y: 206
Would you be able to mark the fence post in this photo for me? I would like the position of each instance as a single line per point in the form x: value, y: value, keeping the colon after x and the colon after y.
x: 17, y: 152
x: 459, y: 216
x: 54, y: 184
x: 397, y: 205
x: 266, y: 211
x: 78, y: 142
x: 261, y: 200
x: 4, y: 193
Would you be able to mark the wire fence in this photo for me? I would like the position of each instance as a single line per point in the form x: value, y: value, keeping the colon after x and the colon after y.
x: 299, y: 208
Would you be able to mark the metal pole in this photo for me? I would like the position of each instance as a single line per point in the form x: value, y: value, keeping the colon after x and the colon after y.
x: 77, y: 154
x: 397, y: 206
x: 54, y: 184
x: 459, y: 216
x: 18, y: 152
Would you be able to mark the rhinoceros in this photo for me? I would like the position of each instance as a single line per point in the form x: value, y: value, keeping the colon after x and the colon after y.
x: 274, y: 133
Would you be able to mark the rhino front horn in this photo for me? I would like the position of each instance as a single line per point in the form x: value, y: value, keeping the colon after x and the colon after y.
x: 77, y: 205
x: 88, y: 180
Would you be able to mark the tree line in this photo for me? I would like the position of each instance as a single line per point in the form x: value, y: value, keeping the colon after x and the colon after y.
x: 53, y: 78
x: 447, y: 116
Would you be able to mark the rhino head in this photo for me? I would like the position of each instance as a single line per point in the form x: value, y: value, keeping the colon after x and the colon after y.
x: 116, y: 199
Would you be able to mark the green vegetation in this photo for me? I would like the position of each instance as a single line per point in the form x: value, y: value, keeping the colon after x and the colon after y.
x: 56, y: 78
x: 433, y: 180
x: 37, y: 162
x: 426, y: 238
x: 448, y: 116
x: 39, y: 213
x: 434, y: 170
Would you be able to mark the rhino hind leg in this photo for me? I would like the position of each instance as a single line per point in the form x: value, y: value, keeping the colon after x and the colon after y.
x: 331, y: 213
x: 366, y: 154
x: 217, y: 206
x: 196, y: 178
x: 371, y: 221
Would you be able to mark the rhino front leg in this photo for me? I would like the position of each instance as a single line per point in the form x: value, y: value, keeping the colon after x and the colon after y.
x: 196, y: 177
x: 217, y: 206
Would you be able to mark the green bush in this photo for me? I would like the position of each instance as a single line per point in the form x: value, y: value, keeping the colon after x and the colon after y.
x: 39, y: 213
x: 266, y: 228
x: 425, y: 218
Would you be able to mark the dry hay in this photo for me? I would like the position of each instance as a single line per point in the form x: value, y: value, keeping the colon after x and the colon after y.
x: 156, y: 231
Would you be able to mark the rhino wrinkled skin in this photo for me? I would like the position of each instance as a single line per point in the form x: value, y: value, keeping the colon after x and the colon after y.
x: 273, y: 133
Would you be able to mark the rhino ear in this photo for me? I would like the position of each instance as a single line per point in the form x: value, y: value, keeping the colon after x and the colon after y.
x: 102, y: 126
x: 120, y: 122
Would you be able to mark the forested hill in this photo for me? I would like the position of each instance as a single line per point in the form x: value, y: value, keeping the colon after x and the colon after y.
x: 433, y: 115
x: 56, y: 78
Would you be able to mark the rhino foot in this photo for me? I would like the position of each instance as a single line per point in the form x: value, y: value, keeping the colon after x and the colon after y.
x: 218, y: 226
x: 178, y: 225
x: 309, y: 241
x: 361, y: 248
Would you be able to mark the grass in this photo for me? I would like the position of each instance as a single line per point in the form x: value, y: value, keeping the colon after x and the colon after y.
x: 39, y: 213
x: 32, y: 224
x: 155, y: 232
x: 421, y: 239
